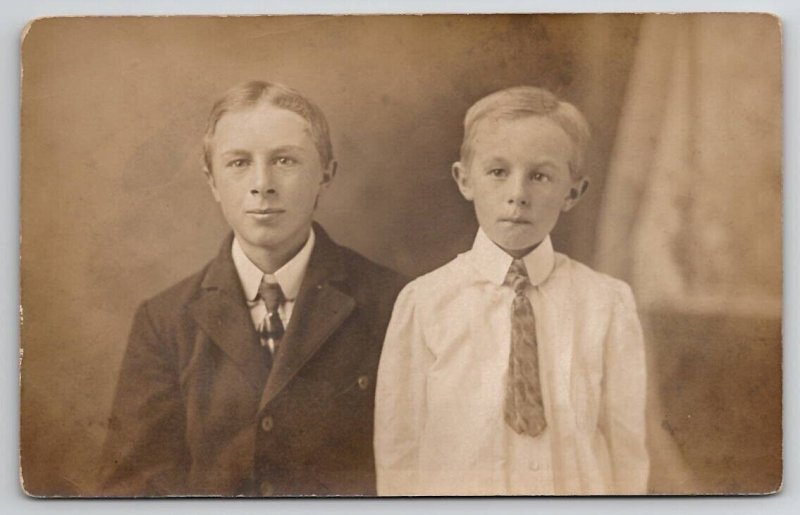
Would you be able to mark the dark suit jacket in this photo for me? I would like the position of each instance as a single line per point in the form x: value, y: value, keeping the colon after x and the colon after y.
x: 202, y: 409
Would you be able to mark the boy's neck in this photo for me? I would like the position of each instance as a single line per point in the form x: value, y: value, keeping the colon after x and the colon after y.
x: 270, y: 260
x: 520, y: 253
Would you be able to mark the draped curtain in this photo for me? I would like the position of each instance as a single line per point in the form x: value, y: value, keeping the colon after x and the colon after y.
x: 691, y: 215
x: 691, y: 218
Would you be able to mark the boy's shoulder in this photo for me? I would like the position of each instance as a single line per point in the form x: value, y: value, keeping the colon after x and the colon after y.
x: 590, y: 283
x: 437, y: 288
x: 450, y: 273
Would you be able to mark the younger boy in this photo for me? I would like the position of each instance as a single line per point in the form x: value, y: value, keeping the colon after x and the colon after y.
x: 514, y: 370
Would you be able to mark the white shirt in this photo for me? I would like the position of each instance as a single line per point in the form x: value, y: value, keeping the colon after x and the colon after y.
x: 439, y: 427
x: 289, y: 277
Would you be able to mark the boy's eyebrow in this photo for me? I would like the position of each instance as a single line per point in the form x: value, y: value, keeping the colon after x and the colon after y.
x: 546, y: 161
x: 284, y: 148
x: 538, y: 162
x: 235, y: 152
x: 493, y: 159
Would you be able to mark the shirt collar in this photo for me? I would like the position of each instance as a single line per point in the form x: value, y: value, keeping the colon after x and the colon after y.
x: 493, y: 262
x: 289, y: 276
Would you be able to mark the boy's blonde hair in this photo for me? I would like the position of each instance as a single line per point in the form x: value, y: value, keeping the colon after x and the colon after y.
x: 522, y: 101
x: 249, y: 94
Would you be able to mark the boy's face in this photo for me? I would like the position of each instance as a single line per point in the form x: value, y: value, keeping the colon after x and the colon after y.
x: 519, y: 179
x: 266, y: 175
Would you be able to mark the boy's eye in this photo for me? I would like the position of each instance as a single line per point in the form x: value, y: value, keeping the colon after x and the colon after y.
x: 540, y: 177
x: 238, y: 163
x: 497, y: 172
x: 285, y: 161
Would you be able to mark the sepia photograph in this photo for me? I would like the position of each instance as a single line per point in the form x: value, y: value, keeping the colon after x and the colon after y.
x: 401, y: 255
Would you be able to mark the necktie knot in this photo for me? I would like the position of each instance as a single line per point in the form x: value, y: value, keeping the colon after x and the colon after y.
x: 517, y: 276
x: 271, y: 294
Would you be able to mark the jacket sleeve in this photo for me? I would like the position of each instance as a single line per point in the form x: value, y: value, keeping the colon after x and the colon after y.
x: 145, y: 450
x: 624, y: 398
x: 400, y: 400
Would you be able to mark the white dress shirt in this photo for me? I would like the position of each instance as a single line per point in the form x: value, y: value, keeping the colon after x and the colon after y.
x: 439, y: 427
x: 289, y: 277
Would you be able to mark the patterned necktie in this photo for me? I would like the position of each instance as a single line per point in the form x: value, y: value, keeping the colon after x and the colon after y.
x: 272, y: 328
x: 524, y: 410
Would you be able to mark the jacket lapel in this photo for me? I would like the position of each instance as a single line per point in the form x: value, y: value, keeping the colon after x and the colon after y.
x: 320, y: 309
x: 222, y: 313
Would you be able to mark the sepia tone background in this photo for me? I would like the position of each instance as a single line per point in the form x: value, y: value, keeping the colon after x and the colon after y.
x: 685, y: 201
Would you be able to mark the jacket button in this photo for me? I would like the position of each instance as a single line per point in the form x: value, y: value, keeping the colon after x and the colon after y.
x: 266, y: 488
x: 363, y: 382
x: 267, y: 424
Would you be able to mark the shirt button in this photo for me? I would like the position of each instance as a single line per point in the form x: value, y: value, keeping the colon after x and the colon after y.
x: 534, y: 465
x: 363, y: 382
x: 267, y: 424
x: 266, y: 488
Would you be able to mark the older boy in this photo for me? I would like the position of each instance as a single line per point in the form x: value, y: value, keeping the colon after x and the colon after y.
x: 255, y: 376
x: 514, y: 370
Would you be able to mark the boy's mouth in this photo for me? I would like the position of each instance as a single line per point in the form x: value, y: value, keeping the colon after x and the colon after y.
x: 265, y: 214
x: 515, y: 220
x: 265, y: 211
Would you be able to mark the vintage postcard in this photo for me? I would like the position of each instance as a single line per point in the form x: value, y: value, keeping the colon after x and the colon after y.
x: 439, y: 255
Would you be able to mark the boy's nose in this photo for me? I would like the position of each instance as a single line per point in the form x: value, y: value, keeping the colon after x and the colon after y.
x: 517, y: 192
x: 263, y: 180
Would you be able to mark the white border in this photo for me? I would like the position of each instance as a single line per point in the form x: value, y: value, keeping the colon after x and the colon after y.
x: 15, y: 15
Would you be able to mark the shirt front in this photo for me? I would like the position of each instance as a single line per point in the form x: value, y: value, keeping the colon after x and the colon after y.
x: 439, y: 424
x: 289, y: 277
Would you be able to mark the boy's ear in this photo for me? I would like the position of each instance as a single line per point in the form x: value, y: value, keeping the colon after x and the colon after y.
x: 328, y: 174
x: 211, y: 184
x: 579, y: 187
x: 461, y: 176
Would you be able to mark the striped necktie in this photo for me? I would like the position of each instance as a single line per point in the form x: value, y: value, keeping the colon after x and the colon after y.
x: 272, y: 327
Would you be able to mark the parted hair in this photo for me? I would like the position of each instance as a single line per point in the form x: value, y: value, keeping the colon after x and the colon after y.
x: 520, y: 102
x: 249, y: 94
